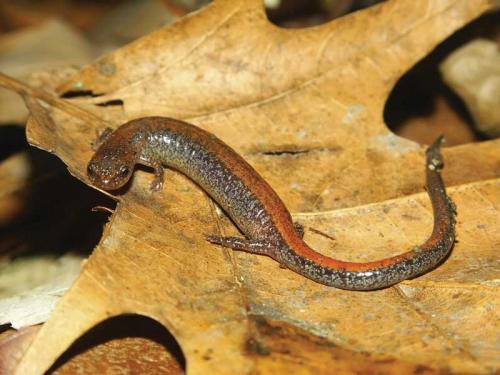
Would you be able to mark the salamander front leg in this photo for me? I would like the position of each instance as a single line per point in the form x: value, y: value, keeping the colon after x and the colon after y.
x: 157, y: 183
x: 237, y: 243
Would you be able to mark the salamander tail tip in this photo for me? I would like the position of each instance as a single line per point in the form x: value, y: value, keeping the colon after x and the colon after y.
x: 434, y: 158
x: 438, y: 142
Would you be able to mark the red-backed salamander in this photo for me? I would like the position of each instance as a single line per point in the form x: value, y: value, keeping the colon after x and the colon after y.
x: 255, y: 207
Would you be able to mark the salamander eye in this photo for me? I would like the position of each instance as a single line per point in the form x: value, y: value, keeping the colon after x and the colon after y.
x: 91, y: 170
x: 123, y: 171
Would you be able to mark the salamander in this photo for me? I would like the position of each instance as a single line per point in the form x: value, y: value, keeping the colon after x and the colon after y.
x: 255, y: 208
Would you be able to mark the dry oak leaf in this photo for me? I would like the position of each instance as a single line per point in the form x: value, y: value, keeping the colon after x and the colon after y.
x: 305, y: 108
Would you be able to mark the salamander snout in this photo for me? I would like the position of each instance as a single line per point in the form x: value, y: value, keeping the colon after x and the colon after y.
x: 108, y: 174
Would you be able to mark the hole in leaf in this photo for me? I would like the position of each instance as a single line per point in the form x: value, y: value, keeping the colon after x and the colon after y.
x: 79, y: 94
x: 308, y: 13
x: 110, y: 103
x: 421, y: 106
x: 285, y: 152
x: 133, y: 343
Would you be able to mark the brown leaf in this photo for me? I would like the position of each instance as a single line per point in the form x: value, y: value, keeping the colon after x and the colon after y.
x: 305, y: 108
x: 13, y: 343
x: 127, y: 345
x: 472, y: 71
x: 25, y: 52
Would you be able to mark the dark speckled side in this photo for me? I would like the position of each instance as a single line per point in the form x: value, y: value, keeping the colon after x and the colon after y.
x: 254, y: 206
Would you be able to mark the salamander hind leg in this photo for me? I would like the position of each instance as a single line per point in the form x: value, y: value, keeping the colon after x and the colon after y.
x: 299, y: 229
x: 237, y: 243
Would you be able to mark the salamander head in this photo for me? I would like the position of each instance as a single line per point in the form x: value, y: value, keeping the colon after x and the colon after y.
x: 111, y: 167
